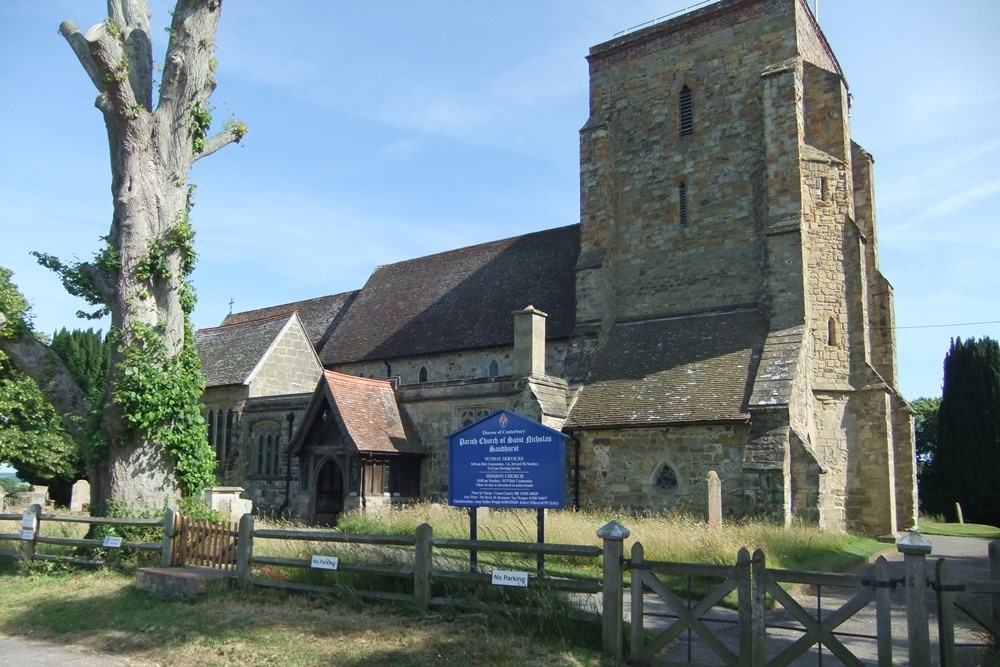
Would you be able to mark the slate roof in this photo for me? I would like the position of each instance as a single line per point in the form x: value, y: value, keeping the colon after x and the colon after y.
x: 319, y: 316
x: 368, y: 413
x: 462, y: 299
x: 673, y: 371
x: 229, y: 354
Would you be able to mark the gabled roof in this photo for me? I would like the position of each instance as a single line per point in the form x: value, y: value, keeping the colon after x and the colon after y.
x: 318, y: 315
x: 366, y: 411
x: 672, y: 371
x: 229, y: 354
x: 462, y: 299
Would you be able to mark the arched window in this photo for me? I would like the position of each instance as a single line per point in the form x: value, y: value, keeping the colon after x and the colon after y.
x: 266, y: 459
x: 665, y: 478
x: 494, y: 369
x: 685, y: 108
x: 682, y: 203
x: 831, y: 332
x: 422, y: 376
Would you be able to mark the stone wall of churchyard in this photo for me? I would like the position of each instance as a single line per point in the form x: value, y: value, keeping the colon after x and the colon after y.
x: 682, y: 203
x: 291, y: 367
x: 452, y: 366
x: 662, y: 468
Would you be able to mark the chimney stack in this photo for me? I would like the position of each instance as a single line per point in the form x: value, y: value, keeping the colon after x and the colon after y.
x: 529, y: 342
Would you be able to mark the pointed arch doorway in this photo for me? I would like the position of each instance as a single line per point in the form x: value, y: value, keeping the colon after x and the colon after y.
x: 328, y: 498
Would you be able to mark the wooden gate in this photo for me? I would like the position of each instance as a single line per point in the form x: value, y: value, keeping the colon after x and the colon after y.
x: 687, y: 614
x: 979, y: 600
x: 205, y: 543
x: 742, y: 637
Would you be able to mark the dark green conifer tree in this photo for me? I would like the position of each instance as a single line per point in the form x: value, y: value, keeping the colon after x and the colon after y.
x: 967, y: 461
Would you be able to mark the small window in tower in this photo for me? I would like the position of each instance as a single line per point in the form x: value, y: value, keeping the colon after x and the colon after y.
x: 422, y: 376
x: 822, y: 188
x: 831, y: 332
x: 686, y: 109
x: 682, y: 203
x: 494, y: 368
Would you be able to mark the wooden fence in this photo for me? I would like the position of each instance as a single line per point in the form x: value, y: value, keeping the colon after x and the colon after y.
x: 421, y: 552
x: 101, y: 550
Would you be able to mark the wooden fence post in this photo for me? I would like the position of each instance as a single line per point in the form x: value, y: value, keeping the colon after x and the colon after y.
x: 744, y: 604
x: 915, y: 550
x: 883, y: 613
x: 31, y: 520
x: 635, y: 593
x: 946, y: 614
x: 758, y: 639
x: 169, y: 532
x: 994, y: 551
x: 422, y: 564
x: 244, y: 547
x: 613, y: 534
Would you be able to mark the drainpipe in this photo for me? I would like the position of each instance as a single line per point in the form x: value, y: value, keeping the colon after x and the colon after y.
x: 290, y: 417
x: 576, y: 472
x: 388, y: 368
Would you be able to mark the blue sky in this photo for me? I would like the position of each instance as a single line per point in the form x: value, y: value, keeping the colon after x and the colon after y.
x: 386, y: 130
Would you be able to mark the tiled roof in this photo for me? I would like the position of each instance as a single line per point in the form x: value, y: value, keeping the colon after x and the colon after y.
x: 318, y: 316
x: 230, y: 353
x: 462, y: 299
x: 369, y: 413
x: 673, y: 370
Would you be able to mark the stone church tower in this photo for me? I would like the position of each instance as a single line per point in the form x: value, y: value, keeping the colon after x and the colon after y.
x: 718, y: 178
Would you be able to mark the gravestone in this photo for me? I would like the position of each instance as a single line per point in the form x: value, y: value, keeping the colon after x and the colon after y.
x: 226, y: 500
x: 714, y: 500
x: 80, y: 498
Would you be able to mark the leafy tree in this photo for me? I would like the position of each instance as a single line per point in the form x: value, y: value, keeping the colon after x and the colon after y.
x: 32, y: 437
x: 926, y: 432
x: 968, y: 449
x: 151, y: 425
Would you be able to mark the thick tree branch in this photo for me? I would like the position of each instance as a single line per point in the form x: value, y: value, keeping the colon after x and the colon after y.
x: 229, y: 135
x: 132, y: 17
x: 44, y: 366
x: 78, y: 43
x: 113, y: 63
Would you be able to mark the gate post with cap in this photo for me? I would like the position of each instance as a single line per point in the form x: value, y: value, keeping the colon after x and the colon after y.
x: 613, y: 625
x: 915, y: 549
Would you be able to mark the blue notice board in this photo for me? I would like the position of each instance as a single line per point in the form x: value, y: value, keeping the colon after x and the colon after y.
x: 506, y: 460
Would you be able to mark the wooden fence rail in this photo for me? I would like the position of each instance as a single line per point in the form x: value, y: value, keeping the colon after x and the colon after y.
x: 33, y: 522
x: 420, y: 549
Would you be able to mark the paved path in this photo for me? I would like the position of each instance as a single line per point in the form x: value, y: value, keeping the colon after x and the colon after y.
x: 967, y: 559
x: 18, y: 652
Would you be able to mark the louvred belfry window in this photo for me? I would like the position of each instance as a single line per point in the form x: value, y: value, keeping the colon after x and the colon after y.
x: 686, y: 109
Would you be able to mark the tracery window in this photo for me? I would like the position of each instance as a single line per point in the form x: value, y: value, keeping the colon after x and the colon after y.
x: 266, y: 439
x: 665, y: 478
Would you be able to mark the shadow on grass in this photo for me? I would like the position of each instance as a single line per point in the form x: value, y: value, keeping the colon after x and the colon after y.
x: 105, y: 613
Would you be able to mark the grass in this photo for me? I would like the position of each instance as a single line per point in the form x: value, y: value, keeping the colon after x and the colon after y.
x: 102, y: 610
x: 935, y: 525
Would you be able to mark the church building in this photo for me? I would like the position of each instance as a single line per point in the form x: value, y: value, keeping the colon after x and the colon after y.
x: 719, y: 307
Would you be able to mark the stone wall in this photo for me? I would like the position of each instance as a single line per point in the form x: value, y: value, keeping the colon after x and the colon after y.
x: 624, y: 468
x: 634, y: 160
x: 455, y: 366
x: 290, y: 367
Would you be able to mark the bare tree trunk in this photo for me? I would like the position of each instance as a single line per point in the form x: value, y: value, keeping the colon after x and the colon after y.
x: 152, y: 152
